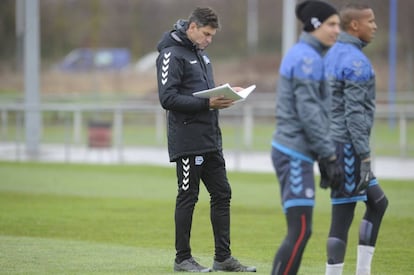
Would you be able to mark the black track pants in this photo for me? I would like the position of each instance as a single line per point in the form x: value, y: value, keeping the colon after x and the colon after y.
x: 210, y: 168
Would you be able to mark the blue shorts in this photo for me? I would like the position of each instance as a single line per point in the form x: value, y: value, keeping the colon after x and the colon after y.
x: 350, y: 162
x: 296, y: 179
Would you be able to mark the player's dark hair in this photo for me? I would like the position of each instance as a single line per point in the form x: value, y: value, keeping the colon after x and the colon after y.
x: 349, y: 13
x: 204, y: 17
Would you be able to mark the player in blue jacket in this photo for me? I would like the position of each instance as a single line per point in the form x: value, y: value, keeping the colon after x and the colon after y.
x: 351, y: 81
x: 302, y: 129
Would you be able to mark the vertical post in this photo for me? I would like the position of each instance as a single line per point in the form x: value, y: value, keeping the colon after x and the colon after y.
x: 159, y: 125
x: 252, y: 26
x: 238, y: 140
x: 4, y: 124
x: 19, y: 33
x: 20, y: 19
x: 289, y: 25
x: 118, y: 129
x: 410, y: 70
x: 403, y: 134
x: 392, y: 56
x: 31, y: 77
x: 248, y: 126
x: 66, y: 121
x: 19, y: 129
x: 77, y: 126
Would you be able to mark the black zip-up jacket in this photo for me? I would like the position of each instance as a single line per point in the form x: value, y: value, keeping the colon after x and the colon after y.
x: 182, y: 69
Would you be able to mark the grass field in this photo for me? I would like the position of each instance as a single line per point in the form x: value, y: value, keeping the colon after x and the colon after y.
x: 97, y: 219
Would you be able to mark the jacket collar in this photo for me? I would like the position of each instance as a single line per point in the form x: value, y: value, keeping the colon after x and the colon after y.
x: 176, y: 37
x: 313, y: 42
x: 179, y: 34
x: 347, y: 38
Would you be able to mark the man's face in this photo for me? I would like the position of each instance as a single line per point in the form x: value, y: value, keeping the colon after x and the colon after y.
x: 201, y: 36
x: 365, y: 25
x: 328, y: 32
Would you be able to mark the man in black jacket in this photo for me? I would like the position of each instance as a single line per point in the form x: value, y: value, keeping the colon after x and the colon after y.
x: 194, y: 136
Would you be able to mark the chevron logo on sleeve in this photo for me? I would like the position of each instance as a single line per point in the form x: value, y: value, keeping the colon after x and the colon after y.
x: 186, y: 174
x: 165, y: 67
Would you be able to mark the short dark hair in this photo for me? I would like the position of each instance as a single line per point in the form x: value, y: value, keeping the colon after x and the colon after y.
x: 348, y: 13
x: 204, y: 17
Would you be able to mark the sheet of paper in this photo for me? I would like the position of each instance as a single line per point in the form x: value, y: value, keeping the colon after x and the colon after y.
x: 227, y: 91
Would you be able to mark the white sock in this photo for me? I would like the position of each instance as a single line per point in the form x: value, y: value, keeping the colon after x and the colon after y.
x: 334, y: 269
x: 365, y: 254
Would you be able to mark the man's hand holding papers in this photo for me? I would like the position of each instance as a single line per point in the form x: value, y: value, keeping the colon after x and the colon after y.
x: 226, y: 93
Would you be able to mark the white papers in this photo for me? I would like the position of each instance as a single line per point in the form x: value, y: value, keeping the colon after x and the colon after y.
x: 227, y: 91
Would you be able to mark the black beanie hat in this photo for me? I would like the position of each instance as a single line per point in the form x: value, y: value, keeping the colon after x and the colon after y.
x: 313, y: 13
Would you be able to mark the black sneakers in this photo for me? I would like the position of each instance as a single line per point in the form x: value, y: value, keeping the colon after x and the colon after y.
x: 190, y: 265
x: 229, y: 265
x: 232, y: 265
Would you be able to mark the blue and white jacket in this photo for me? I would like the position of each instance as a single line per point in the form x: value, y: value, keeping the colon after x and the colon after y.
x: 351, y: 81
x: 303, y: 104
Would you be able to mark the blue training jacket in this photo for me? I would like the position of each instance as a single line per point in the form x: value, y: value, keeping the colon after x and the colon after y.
x: 302, y: 108
x: 351, y: 81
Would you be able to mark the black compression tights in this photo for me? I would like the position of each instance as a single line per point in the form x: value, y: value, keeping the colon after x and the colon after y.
x: 376, y: 205
x: 299, y: 228
x: 342, y: 216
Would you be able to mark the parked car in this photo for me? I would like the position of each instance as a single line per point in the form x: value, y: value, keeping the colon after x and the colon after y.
x: 84, y: 59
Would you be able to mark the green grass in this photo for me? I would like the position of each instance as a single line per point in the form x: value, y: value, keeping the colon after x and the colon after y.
x: 98, y: 219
